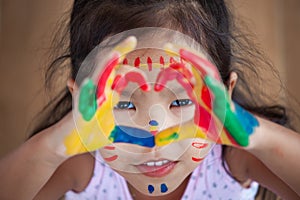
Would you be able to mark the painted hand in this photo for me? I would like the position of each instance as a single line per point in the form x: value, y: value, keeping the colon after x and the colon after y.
x: 216, y: 117
x: 96, y: 122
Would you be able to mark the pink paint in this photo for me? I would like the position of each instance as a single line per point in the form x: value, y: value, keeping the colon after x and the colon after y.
x: 199, y: 62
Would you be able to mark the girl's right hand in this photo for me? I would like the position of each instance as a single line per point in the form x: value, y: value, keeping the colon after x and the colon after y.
x: 96, y: 102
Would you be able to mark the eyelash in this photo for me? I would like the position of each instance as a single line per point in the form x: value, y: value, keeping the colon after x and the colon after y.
x: 177, y: 103
x: 181, y: 102
x: 124, y: 105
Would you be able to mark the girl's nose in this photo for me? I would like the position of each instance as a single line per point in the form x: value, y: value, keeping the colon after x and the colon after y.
x: 157, y: 118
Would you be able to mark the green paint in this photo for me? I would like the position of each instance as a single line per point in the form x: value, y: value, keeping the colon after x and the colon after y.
x: 173, y: 136
x: 87, y: 100
x: 221, y: 107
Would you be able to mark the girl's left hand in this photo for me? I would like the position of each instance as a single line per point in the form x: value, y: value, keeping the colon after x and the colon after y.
x: 216, y: 117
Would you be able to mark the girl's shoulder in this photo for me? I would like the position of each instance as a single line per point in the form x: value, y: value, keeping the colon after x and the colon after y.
x: 238, y: 162
x: 73, y: 174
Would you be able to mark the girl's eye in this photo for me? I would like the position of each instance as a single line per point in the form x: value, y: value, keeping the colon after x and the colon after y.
x: 181, y: 102
x: 124, y: 105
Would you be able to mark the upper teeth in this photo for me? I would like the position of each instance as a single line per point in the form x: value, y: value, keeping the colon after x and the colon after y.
x: 157, y: 163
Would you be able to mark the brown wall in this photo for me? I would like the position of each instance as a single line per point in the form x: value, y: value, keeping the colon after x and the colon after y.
x: 26, y: 26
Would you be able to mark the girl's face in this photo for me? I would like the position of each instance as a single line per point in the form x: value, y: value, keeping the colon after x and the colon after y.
x: 158, y: 170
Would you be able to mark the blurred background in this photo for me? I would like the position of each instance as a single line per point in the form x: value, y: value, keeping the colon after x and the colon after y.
x: 27, y: 26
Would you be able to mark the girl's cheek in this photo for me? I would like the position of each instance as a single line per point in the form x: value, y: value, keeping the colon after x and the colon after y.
x: 183, y: 114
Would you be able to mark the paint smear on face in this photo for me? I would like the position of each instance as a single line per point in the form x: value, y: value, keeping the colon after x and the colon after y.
x: 132, y: 136
x: 153, y: 127
x: 150, y: 189
x: 198, y: 145
x: 163, y: 188
x: 112, y: 158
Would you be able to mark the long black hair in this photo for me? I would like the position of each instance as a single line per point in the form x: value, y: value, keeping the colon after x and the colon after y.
x: 208, y: 22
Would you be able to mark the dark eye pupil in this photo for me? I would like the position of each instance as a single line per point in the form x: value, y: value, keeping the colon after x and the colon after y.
x: 181, y: 102
x: 124, y: 105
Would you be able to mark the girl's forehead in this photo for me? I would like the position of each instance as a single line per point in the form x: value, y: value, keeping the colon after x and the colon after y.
x: 145, y: 54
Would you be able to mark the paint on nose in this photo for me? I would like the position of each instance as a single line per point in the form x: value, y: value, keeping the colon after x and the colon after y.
x: 153, y: 127
x: 125, y: 134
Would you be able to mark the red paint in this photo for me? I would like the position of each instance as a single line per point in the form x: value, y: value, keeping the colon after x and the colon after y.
x: 137, y: 78
x: 163, y: 77
x: 109, y: 147
x: 110, y: 159
x: 205, y: 96
x: 231, y: 139
x: 199, y: 62
x: 197, y: 159
x: 137, y: 62
x: 172, y: 60
x: 120, y: 82
x: 199, y: 145
x: 125, y: 61
x: 154, y: 132
x: 149, y: 62
x: 162, y: 61
x: 180, y: 67
x: 176, y: 71
x: 110, y: 65
x: 205, y: 121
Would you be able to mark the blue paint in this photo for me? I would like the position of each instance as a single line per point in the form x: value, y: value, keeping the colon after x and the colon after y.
x: 153, y: 123
x: 248, y: 121
x: 132, y: 135
x: 163, y: 188
x: 150, y: 189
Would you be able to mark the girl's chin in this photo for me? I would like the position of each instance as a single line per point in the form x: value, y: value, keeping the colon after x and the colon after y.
x: 151, y: 184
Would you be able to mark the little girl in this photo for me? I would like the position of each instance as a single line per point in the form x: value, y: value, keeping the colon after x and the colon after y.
x: 136, y: 168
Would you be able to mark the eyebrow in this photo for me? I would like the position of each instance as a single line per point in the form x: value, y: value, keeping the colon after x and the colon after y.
x: 126, y: 93
x: 176, y: 91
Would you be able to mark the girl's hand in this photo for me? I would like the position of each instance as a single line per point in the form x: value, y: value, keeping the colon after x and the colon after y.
x: 95, y: 121
x: 216, y: 116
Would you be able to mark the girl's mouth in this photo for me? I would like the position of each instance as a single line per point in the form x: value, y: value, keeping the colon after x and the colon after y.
x: 158, y: 168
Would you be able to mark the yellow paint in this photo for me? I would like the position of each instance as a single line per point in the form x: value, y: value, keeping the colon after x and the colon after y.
x: 185, y: 131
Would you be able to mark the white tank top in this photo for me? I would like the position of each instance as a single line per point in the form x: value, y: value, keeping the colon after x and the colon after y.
x: 208, y: 181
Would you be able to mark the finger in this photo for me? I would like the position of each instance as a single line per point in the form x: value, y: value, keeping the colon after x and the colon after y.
x: 199, y: 62
x: 240, y: 124
x: 116, y: 56
x: 128, y: 74
x: 93, y: 131
x: 176, y: 71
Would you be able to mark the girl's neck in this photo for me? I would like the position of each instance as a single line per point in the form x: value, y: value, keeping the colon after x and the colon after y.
x: 176, y: 194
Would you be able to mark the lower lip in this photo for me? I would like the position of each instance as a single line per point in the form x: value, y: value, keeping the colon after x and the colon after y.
x: 157, y: 171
